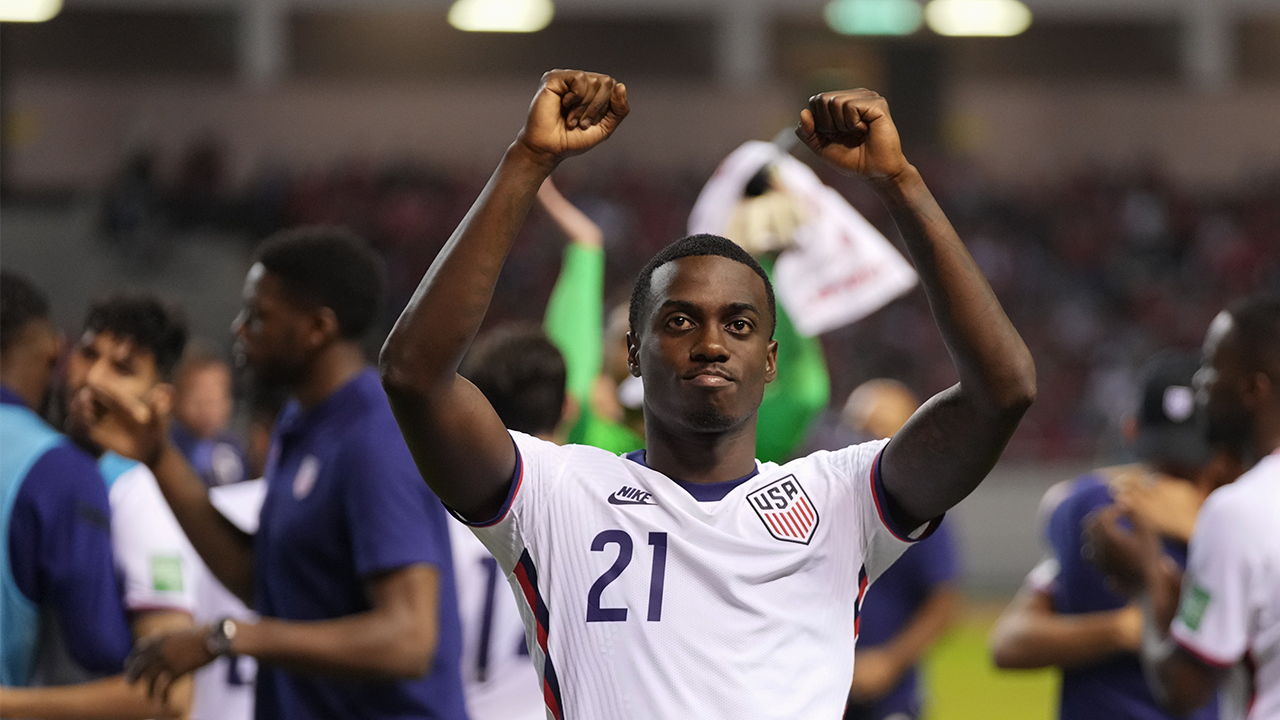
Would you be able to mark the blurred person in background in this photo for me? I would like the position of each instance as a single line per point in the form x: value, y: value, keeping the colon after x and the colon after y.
x: 132, y: 341
x: 1067, y: 615
x: 523, y: 375
x: 1217, y: 627
x: 915, y: 601
x: 202, y: 408
x: 350, y: 568
x: 58, y: 594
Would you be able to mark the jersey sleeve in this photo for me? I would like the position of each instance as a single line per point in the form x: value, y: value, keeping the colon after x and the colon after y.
x: 156, y: 560
x: 575, y: 317
x: 538, y: 464
x: 800, y: 391
x: 393, y: 517
x: 60, y: 545
x: 1078, y: 586
x: 1214, y: 611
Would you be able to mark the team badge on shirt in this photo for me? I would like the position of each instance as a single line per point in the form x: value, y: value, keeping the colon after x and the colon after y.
x: 786, y: 510
x: 305, y: 480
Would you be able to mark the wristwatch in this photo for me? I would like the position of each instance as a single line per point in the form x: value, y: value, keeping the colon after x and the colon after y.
x: 221, y: 633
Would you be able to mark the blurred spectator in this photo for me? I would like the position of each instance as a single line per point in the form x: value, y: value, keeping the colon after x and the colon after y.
x: 202, y: 409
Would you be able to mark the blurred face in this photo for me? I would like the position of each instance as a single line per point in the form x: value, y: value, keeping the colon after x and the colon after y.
x: 107, y: 360
x: 273, y: 335
x: 204, y: 402
x: 1220, y: 383
x: 704, y: 351
x: 28, y: 364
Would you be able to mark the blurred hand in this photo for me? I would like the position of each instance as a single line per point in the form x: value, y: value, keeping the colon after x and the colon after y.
x: 574, y: 223
x: 1168, y: 505
x: 160, y: 659
x: 875, y: 673
x: 135, y: 427
x: 852, y: 131
x: 1123, y: 555
x: 573, y: 112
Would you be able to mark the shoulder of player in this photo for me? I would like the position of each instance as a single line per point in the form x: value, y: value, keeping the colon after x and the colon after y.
x: 1248, y: 504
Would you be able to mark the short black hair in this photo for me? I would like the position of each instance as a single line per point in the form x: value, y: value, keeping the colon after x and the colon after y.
x: 21, y: 302
x: 692, y: 246
x: 1257, y: 326
x: 522, y: 374
x: 329, y: 267
x: 145, y: 320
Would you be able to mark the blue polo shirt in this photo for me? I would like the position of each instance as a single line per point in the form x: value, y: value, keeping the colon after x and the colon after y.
x: 891, y: 602
x: 345, y: 503
x: 1113, y: 688
x: 55, y: 550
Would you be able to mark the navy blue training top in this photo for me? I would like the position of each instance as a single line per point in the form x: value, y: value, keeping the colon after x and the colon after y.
x: 57, y: 560
x: 1113, y: 688
x: 891, y: 602
x: 344, y: 503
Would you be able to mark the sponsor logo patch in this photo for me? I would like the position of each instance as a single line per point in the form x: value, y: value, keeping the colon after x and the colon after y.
x: 786, y: 510
x: 166, y: 573
x: 1191, y: 610
x: 631, y: 496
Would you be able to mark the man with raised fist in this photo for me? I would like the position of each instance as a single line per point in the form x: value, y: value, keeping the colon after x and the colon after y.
x: 688, y: 579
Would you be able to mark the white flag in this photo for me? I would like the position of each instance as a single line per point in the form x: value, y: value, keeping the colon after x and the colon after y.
x: 839, y: 270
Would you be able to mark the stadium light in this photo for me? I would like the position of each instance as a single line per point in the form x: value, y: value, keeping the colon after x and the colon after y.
x: 29, y: 10
x: 873, y: 17
x: 501, y: 15
x: 977, y: 18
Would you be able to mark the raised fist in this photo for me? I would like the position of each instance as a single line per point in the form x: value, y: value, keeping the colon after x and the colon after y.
x: 852, y: 130
x: 572, y: 113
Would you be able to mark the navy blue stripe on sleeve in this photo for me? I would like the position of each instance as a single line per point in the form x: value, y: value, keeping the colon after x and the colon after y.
x: 883, y: 508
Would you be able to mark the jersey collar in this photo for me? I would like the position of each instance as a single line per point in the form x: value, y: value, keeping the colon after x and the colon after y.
x: 702, y: 492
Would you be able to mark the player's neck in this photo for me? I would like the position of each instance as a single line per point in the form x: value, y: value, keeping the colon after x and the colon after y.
x: 1266, y: 433
x: 332, y: 368
x: 701, y: 457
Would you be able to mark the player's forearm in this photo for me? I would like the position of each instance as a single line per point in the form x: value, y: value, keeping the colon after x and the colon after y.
x: 370, y: 645
x: 225, y: 548
x: 1034, y: 640
x: 111, y: 698
x: 433, y: 332
x: 931, y: 620
x: 996, y: 369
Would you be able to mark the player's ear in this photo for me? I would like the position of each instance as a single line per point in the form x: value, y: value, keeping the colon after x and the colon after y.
x: 633, y: 354
x: 771, y: 362
x: 323, y: 327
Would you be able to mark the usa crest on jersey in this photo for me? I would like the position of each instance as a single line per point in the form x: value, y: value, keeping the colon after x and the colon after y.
x: 786, y: 510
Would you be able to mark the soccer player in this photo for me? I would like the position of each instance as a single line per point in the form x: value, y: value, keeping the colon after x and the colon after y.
x: 1218, y: 626
x: 523, y: 376
x: 56, y: 564
x: 202, y: 409
x: 686, y: 579
x: 133, y: 341
x: 350, y: 568
x: 1066, y: 615
x: 915, y: 601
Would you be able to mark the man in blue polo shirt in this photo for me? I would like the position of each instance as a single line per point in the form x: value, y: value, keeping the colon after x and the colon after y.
x: 350, y: 568
x: 57, y: 577
x: 1066, y: 615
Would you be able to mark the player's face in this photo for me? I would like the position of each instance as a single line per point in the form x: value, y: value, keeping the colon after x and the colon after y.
x: 107, y: 360
x: 270, y: 330
x: 1218, y: 385
x: 704, y: 352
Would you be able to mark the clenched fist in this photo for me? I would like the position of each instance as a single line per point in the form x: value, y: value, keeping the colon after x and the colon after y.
x: 852, y: 130
x: 573, y: 112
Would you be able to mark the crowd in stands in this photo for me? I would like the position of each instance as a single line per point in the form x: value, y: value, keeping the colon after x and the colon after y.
x: 1097, y: 270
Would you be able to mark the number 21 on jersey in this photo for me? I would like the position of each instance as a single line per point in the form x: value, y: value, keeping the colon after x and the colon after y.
x: 657, y: 574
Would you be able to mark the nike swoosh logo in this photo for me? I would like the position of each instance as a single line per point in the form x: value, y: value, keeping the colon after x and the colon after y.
x: 615, y: 500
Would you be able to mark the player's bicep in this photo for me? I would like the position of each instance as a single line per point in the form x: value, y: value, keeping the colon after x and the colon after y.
x: 460, y: 446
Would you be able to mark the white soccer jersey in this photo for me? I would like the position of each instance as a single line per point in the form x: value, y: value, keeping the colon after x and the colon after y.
x: 1229, y: 614
x: 497, y: 674
x: 643, y: 601
x: 224, y: 687
x: 156, y: 562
